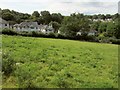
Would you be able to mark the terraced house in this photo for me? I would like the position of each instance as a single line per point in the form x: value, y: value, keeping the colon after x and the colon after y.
x: 26, y: 26
x: 33, y: 26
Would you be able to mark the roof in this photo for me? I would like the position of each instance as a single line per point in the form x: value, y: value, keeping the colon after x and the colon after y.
x: 16, y: 25
x: 3, y: 21
x: 43, y: 26
x: 50, y: 27
x: 30, y: 24
x: 92, y: 31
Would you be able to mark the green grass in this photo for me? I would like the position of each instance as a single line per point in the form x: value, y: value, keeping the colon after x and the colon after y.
x: 55, y: 63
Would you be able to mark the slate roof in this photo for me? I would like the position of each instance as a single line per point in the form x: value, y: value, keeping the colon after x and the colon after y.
x: 43, y: 26
x: 29, y: 24
x: 92, y: 31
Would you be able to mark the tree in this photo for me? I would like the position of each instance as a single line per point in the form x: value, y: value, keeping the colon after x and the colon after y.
x: 117, y: 28
x: 8, y: 16
x: 95, y: 25
x: 56, y: 17
x: 55, y: 25
x: 108, y: 16
x: 103, y: 17
x: 95, y: 17
x: 46, y: 16
x: 73, y: 24
x: 110, y: 28
x: 35, y: 14
x: 115, y: 16
x: 40, y: 20
x: 102, y: 27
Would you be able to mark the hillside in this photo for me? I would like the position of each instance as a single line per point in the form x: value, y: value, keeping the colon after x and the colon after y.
x: 55, y: 63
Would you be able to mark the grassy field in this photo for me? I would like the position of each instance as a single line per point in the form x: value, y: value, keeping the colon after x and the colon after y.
x: 55, y: 63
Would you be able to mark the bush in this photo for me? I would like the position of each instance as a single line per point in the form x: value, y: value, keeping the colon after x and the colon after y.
x: 61, y: 36
x: 26, y: 74
x: 91, y: 38
x: 51, y: 35
x: 115, y: 41
x: 87, y: 38
x: 7, y: 64
x: 102, y: 38
x: 9, y: 31
x: 25, y: 33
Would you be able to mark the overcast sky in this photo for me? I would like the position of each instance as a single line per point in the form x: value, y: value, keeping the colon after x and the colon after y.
x: 65, y: 7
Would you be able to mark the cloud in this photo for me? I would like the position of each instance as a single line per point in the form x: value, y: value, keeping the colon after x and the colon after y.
x: 61, y: 6
x: 59, y: 0
x: 84, y: 7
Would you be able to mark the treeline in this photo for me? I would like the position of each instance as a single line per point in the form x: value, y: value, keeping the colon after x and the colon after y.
x: 107, y: 26
x: 44, y: 17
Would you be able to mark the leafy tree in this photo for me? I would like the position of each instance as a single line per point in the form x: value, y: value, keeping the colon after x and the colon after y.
x: 6, y: 10
x: 102, y: 27
x: 108, y: 16
x: 8, y: 16
x: 95, y: 25
x: 56, y: 17
x: 115, y: 16
x: 46, y: 16
x: 73, y: 24
x: 95, y: 17
x: 55, y: 25
x: 110, y: 28
x: 102, y: 17
x: 35, y: 14
x: 40, y: 20
x: 117, y: 28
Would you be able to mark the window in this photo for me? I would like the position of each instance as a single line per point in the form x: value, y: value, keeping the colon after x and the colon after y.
x: 32, y: 27
x: 5, y: 24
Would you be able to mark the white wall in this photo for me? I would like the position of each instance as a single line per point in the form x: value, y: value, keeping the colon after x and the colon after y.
x: 25, y: 29
x: 4, y: 25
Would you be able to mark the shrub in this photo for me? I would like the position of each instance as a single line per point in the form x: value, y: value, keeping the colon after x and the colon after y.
x: 7, y: 64
x: 115, y: 41
x: 61, y: 36
x: 26, y: 75
x: 51, y: 35
x: 103, y: 39
x: 25, y: 33
x: 9, y: 31
x: 35, y: 34
x: 91, y: 38
x: 87, y: 38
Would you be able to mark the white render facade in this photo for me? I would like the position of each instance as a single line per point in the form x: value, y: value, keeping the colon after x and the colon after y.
x: 3, y: 23
x: 33, y: 26
x: 26, y: 26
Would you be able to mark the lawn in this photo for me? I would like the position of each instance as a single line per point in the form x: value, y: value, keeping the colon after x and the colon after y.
x: 56, y: 63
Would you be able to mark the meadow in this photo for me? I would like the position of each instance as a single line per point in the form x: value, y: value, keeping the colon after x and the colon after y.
x: 55, y: 63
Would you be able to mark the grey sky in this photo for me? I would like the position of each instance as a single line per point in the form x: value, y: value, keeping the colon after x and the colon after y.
x: 64, y: 7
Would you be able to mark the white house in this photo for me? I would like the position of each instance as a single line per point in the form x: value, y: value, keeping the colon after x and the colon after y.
x: 106, y: 20
x: 46, y: 29
x: 3, y: 23
x: 92, y: 33
x: 26, y: 26
x: 33, y: 26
